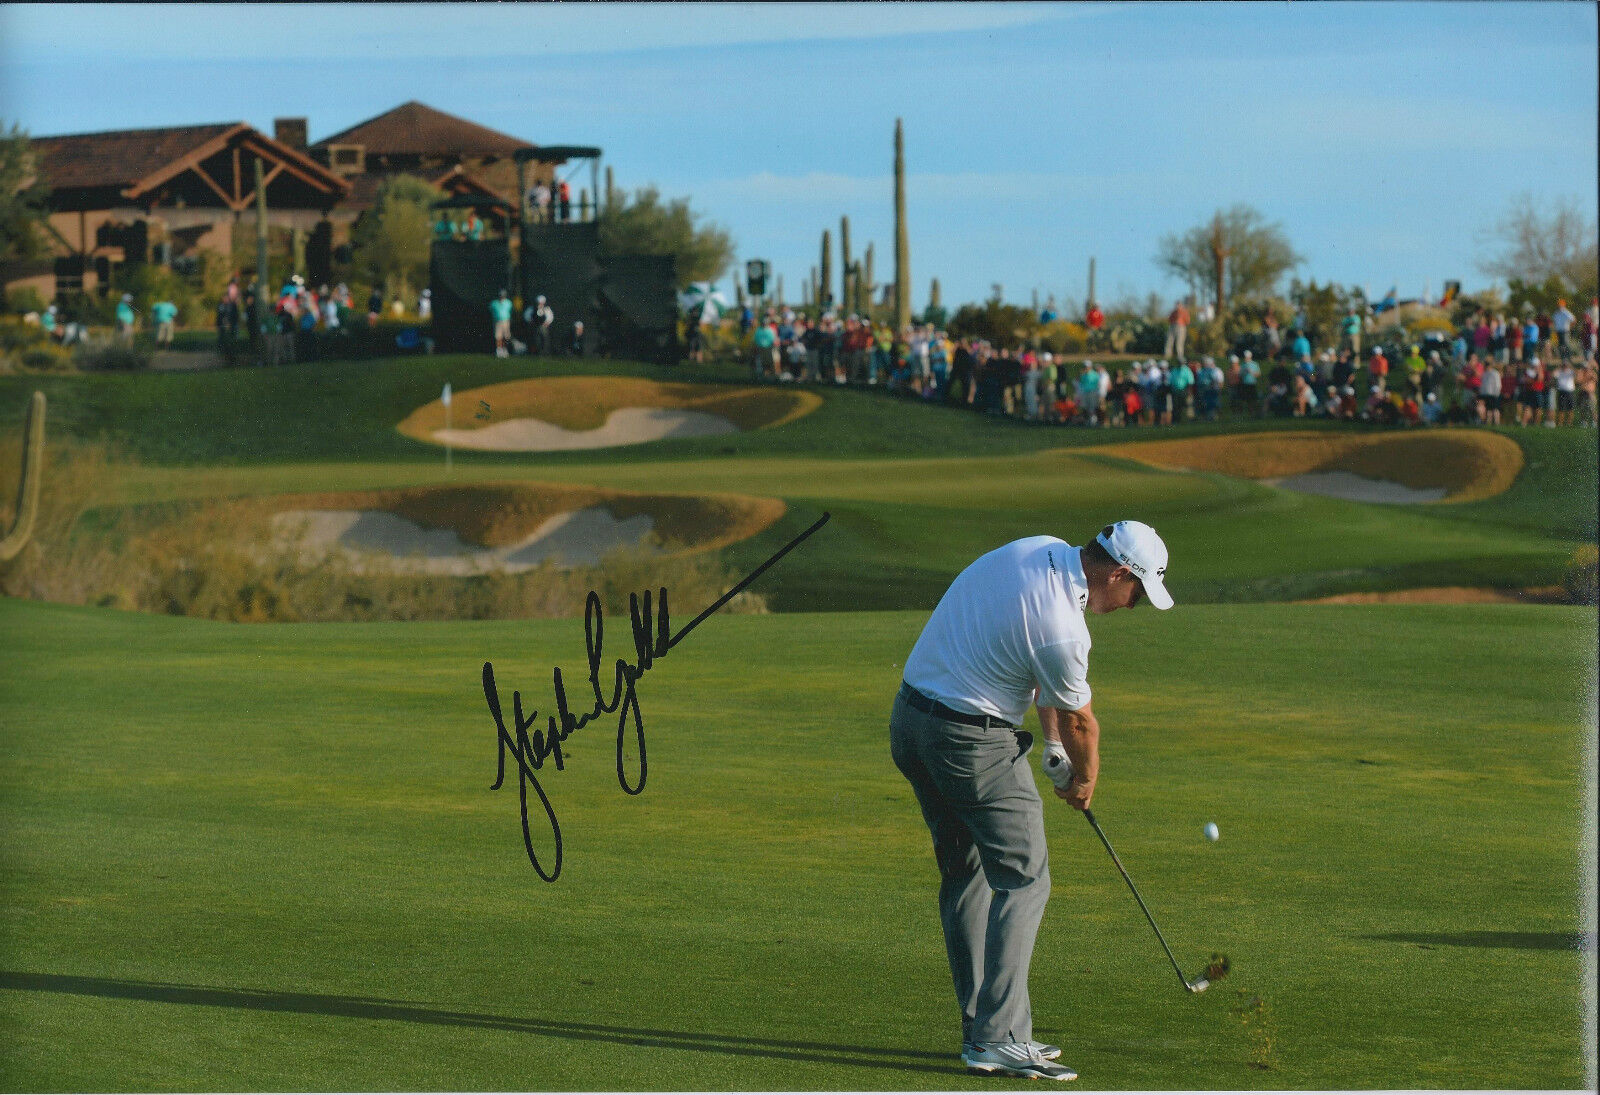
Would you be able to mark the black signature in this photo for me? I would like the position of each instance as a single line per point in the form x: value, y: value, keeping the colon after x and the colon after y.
x: 652, y: 639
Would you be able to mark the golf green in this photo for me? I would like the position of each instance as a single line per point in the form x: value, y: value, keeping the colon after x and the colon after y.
x: 269, y: 858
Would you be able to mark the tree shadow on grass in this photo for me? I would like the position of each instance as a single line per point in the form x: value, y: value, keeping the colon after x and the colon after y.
x: 1526, y: 941
x: 359, y: 1007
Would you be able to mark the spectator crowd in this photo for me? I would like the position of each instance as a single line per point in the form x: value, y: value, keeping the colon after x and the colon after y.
x: 1538, y: 372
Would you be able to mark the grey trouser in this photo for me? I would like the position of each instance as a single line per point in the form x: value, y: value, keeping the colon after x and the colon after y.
x: 980, y: 803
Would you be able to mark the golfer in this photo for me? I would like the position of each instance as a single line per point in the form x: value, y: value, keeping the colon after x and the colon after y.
x: 1009, y: 632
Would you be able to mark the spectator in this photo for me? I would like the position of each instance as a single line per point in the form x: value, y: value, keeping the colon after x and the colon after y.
x: 227, y: 327
x: 1249, y: 384
x: 1530, y: 393
x: 125, y: 318
x: 1177, y: 331
x: 1301, y: 398
x: 1210, y: 382
x: 541, y: 320
x: 500, y: 310
x: 1378, y: 368
x: 442, y: 228
x: 1351, y: 329
x: 1591, y: 328
x: 330, y: 313
x: 425, y: 305
x: 1566, y: 393
x: 1584, y: 414
x: 1300, y: 348
x: 1489, y: 395
x: 564, y: 201
x: 1273, y: 335
x: 1414, y: 366
x: 541, y: 203
x: 1095, y: 320
x: 579, y: 348
x: 1561, y: 328
x: 1182, y: 381
x: 472, y: 228
x: 165, y: 315
x: 1530, y: 338
x: 374, y: 306
x: 1430, y: 411
x: 1088, y: 386
x: 763, y: 358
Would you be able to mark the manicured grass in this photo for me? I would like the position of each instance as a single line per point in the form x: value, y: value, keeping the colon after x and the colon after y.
x: 268, y: 858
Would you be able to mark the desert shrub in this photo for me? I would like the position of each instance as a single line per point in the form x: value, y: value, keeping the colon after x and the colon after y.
x: 1062, y: 336
x: 110, y: 356
x: 46, y: 358
x: 1582, y: 580
x: 25, y: 299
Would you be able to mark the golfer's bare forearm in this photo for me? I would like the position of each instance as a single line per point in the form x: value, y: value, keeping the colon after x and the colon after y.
x: 1079, y: 733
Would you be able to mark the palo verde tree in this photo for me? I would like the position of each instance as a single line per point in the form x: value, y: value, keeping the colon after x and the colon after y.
x: 1233, y: 255
x: 646, y: 225
x: 392, y: 239
x: 1544, y: 252
x: 22, y: 200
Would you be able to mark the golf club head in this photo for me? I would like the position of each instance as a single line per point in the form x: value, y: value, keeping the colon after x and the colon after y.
x: 1216, y: 970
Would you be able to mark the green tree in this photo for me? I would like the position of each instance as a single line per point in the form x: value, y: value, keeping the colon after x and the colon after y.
x: 1542, y: 250
x: 22, y: 200
x: 1253, y: 254
x: 391, y: 241
x: 1004, y: 325
x: 646, y: 225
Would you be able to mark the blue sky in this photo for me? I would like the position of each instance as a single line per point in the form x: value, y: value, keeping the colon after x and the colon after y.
x: 1384, y: 137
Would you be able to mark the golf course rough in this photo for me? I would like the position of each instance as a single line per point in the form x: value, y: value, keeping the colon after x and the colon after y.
x: 552, y: 413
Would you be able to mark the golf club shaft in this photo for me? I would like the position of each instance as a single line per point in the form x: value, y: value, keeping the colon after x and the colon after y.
x: 1143, y: 907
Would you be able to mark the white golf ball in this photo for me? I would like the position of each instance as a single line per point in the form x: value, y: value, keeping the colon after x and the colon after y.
x: 1211, y: 831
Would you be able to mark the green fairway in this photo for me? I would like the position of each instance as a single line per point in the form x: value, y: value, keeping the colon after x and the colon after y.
x: 268, y: 858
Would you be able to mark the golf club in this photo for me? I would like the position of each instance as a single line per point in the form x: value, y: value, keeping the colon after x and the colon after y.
x: 1218, y: 967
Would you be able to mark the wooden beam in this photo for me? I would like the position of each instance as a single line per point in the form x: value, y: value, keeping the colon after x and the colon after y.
x: 212, y: 183
x: 188, y: 160
x: 250, y: 198
x: 237, y: 200
x: 284, y: 164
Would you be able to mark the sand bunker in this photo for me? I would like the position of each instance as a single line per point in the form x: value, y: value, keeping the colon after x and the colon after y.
x: 1444, y: 466
x: 583, y: 412
x: 1450, y: 595
x: 1355, y: 488
x: 567, y: 539
x: 627, y: 426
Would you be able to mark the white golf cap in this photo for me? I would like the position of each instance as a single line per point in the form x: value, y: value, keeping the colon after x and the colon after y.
x: 1136, y: 546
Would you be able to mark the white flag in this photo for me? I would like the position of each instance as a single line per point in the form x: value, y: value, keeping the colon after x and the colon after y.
x: 445, y: 397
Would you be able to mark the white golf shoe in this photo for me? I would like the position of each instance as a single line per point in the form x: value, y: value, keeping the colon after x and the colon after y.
x: 1023, y: 1059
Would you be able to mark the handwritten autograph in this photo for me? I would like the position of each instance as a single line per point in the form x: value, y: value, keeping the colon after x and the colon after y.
x: 651, y: 641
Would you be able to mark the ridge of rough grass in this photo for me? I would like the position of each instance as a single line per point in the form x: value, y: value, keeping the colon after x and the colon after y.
x: 497, y: 514
x: 585, y: 402
x: 1469, y: 465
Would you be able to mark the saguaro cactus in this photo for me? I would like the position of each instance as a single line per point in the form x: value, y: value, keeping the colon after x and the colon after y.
x: 847, y: 299
x: 902, y: 245
x: 864, y: 284
x: 827, y: 268
x: 32, y: 475
x: 933, y: 294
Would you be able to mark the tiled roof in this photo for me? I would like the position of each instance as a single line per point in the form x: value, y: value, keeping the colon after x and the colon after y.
x: 417, y: 129
x: 118, y: 157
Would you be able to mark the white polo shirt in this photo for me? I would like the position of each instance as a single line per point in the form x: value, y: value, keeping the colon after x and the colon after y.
x: 1008, y: 632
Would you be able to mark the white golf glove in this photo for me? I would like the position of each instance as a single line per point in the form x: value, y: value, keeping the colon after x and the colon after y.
x: 1056, y: 765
